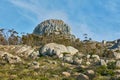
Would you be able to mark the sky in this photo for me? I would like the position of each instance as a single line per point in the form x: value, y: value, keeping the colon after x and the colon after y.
x: 100, y: 19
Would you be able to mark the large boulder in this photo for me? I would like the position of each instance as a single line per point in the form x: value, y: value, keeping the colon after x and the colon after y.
x: 57, y: 49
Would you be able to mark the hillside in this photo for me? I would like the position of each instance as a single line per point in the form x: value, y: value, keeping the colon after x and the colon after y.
x: 53, y: 53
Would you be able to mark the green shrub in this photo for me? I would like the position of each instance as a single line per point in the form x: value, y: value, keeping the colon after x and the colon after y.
x: 111, y: 65
x: 104, y: 71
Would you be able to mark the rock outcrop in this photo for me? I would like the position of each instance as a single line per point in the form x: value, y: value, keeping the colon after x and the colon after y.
x: 57, y: 49
x: 9, y: 58
x: 52, y: 26
x: 116, y: 46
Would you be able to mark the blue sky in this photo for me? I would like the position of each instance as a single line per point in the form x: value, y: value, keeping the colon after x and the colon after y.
x: 100, y: 19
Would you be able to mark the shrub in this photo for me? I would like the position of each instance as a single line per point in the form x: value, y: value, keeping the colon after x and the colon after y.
x: 104, y: 71
x: 111, y: 65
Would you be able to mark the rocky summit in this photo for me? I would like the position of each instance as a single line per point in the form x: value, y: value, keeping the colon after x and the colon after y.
x: 53, y: 26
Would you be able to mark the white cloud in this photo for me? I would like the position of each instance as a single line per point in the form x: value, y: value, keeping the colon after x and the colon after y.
x: 41, y: 12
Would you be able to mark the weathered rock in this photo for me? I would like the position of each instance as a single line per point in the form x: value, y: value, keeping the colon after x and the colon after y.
x: 24, y: 51
x: 88, y: 56
x: 77, y: 61
x: 88, y: 63
x: 34, y: 54
x: 96, y: 57
x: 57, y: 49
x: 52, y: 26
x: 67, y: 74
x: 9, y: 57
x: 90, y: 73
x: 72, y: 50
x: 102, y: 62
x: 117, y: 71
x: 104, y: 42
x: 68, y: 58
x: 118, y: 64
x: 82, y: 77
x: 79, y: 55
x: 116, y: 55
x: 34, y: 65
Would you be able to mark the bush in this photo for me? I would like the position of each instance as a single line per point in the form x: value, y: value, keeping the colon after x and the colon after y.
x: 111, y: 65
x: 104, y: 71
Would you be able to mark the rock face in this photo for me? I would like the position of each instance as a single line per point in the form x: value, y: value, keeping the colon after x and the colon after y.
x: 57, y: 49
x: 52, y: 26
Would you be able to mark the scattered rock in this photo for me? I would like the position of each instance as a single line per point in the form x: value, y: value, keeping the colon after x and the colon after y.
x: 88, y: 63
x: 68, y: 59
x: 9, y: 57
x: 102, y: 62
x: 117, y: 71
x: 118, y: 64
x: 90, y: 73
x: 34, y: 54
x: 34, y: 65
x: 96, y: 57
x: 67, y: 74
x: 77, y: 61
x: 79, y: 55
x: 116, y: 55
x: 104, y: 42
x: 88, y: 56
x: 82, y: 77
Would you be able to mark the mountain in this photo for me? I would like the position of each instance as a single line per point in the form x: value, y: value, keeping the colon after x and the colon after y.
x: 53, y: 26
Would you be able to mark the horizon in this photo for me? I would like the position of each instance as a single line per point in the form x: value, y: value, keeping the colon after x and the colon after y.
x: 98, y: 19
